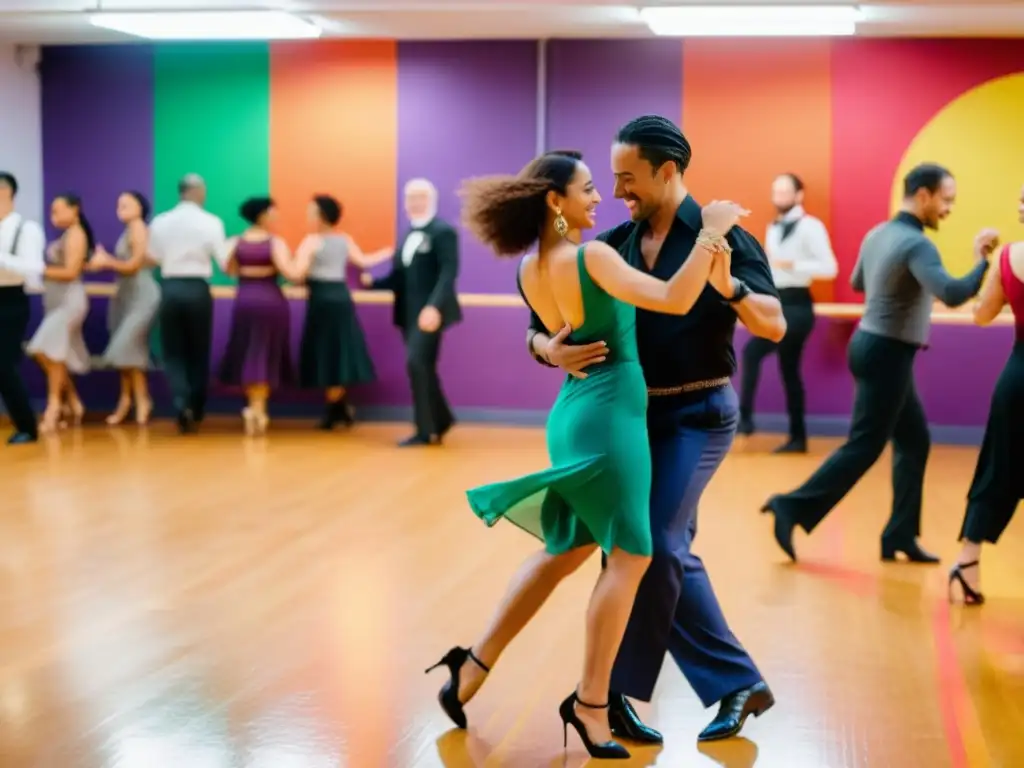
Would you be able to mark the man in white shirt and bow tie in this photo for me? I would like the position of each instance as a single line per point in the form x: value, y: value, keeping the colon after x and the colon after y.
x: 799, y: 252
x: 422, y: 277
x: 22, y: 243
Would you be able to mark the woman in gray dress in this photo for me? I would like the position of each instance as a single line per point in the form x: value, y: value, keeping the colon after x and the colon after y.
x: 57, y: 345
x: 133, y: 307
x: 333, y: 355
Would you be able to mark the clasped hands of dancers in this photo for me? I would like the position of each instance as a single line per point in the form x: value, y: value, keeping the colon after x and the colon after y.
x: 615, y: 485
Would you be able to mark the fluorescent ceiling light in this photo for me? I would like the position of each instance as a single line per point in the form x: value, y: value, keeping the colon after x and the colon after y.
x: 208, y: 25
x: 753, y: 21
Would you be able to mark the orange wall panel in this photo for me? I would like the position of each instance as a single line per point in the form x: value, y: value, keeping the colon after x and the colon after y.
x: 334, y: 130
x: 753, y: 109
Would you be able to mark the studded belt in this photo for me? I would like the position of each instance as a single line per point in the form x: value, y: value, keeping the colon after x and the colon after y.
x: 693, y: 386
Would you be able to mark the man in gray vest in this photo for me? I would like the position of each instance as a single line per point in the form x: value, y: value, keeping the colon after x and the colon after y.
x: 900, y: 272
x: 21, y: 265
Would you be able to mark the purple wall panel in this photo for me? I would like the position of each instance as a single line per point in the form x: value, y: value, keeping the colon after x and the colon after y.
x: 484, y: 365
x: 466, y: 109
x: 97, y: 104
x: 595, y: 86
x: 950, y: 397
x: 503, y: 378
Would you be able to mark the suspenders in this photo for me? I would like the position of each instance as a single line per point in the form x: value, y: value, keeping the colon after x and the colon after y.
x: 17, y: 236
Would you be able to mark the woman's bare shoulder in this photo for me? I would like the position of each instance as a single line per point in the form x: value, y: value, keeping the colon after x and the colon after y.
x: 534, y: 263
x: 600, y: 249
x: 1016, y: 259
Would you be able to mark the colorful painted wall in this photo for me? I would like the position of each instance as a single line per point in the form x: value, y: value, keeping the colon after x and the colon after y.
x: 359, y: 118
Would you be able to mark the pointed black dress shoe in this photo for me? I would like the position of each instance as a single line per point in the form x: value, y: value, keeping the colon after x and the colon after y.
x: 735, y: 709
x: 793, y: 445
x: 626, y: 723
x: 187, y: 422
x: 416, y: 440
x: 22, y: 438
x: 783, y: 527
x: 911, y: 551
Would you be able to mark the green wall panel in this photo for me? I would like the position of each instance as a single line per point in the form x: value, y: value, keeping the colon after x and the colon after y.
x: 212, y: 117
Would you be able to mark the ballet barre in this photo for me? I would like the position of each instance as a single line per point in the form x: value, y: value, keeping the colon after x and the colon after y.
x: 940, y: 315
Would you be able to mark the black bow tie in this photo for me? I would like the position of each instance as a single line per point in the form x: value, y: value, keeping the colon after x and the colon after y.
x: 787, y: 227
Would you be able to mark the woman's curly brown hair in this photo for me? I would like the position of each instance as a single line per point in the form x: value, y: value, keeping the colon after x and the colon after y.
x: 508, y: 213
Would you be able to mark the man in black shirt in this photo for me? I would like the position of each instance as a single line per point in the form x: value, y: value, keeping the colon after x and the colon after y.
x: 692, y: 416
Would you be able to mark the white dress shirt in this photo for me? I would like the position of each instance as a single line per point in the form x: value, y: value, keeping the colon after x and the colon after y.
x: 186, y: 240
x: 808, y: 248
x: 411, y: 246
x: 26, y: 266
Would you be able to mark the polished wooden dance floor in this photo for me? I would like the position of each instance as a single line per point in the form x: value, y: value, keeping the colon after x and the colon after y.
x: 224, y: 602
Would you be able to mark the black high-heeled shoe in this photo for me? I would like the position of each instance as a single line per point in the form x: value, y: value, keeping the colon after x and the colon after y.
x: 337, y: 412
x: 608, y: 750
x: 448, y: 696
x: 971, y: 596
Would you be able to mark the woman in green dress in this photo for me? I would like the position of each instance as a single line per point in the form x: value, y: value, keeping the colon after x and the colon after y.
x: 596, y: 494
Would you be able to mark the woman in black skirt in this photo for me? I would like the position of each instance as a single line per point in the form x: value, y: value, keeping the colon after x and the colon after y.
x: 333, y: 355
x: 998, y: 485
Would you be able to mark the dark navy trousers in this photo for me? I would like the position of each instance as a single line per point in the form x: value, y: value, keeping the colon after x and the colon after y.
x: 676, y: 609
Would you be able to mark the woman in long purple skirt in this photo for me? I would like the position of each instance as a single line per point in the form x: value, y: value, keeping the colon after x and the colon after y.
x: 258, y: 355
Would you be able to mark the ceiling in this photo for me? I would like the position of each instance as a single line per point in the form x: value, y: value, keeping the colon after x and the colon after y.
x: 66, y: 21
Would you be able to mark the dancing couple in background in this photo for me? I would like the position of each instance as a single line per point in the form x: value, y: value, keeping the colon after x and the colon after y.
x: 635, y: 438
x: 333, y: 352
x: 900, y: 272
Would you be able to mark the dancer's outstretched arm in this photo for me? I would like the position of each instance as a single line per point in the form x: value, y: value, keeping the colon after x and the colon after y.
x: 676, y: 296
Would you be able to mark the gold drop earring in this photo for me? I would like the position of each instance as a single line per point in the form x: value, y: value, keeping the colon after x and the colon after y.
x: 561, y: 225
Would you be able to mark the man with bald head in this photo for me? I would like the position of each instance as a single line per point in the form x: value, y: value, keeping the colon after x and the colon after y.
x: 185, y: 241
x: 423, y: 277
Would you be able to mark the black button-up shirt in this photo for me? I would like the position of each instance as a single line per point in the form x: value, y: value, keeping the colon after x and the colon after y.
x: 680, y: 349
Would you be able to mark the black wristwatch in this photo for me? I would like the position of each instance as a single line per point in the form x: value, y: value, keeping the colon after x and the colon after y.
x: 740, y: 291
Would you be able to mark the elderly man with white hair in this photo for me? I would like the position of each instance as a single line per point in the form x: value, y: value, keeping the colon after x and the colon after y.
x: 422, y: 278
x: 186, y: 241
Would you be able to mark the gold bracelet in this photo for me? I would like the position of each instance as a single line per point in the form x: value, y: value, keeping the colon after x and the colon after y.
x: 713, y: 242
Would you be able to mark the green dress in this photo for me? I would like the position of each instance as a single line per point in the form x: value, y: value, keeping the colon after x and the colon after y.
x: 598, y: 487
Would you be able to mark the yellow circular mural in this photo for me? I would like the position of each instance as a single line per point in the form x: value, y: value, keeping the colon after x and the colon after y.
x: 979, y: 136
